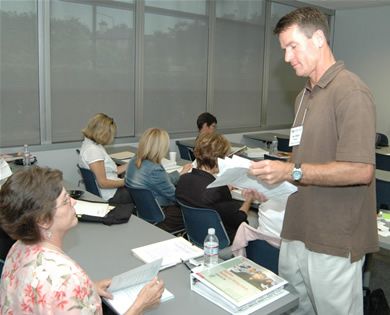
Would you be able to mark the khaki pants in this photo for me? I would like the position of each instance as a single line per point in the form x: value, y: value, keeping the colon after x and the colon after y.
x: 325, y: 284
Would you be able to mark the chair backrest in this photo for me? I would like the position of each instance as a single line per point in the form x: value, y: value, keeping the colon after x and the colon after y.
x: 382, y: 194
x: 147, y: 206
x: 381, y: 140
x: 197, y: 221
x: 184, y: 151
x: 283, y: 145
x: 382, y: 161
x: 264, y: 254
x: 89, y: 179
x: 272, y: 157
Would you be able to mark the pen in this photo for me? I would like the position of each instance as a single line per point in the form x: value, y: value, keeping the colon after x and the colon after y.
x: 185, y: 264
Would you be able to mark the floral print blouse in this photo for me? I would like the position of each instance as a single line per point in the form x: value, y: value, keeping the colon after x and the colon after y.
x: 39, y: 280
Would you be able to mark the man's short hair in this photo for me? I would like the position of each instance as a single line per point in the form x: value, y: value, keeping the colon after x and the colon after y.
x: 307, y: 19
x: 207, y: 118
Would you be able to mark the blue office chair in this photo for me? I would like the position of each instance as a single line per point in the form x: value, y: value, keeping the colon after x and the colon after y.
x: 197, y: 221
x: 382, y: 161
x: 382, y: 194
x: 264, y: 254
x: 184, y: 151
x: 283, y: 145
x: 147, y: 206
x: 89, y: 179
x: 381, y: 140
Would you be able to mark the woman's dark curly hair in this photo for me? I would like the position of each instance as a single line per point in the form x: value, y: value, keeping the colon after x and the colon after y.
x: 28, y: 198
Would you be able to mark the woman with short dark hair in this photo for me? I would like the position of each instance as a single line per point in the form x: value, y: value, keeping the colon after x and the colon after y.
x: 38, y: 277
x: 192, y: 187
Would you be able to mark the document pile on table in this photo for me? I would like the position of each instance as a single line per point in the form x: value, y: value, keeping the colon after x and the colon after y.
x: 122, y: 157
x: 383, y: 223
x: 255, y: 153
x: 238, y: 285
x: 172, y: 251
x: 170, y: 166
x: 96, y: 209
x: 234, y: 171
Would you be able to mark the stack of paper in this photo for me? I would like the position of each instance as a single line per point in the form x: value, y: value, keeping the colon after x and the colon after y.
x: 92, y: 208
x: 172, y: 251
x: 122, y: 156
x: 238, y: 285
x: 234, y: 171
x: 256, y: 152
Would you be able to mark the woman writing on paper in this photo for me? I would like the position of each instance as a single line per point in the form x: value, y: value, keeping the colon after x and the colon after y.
x: 38, y: 277
x: 192, y: 188
x: 99, y: 132
x: 146, y: 172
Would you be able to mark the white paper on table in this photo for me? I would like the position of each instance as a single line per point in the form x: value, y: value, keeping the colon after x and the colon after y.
x: 234, y: 171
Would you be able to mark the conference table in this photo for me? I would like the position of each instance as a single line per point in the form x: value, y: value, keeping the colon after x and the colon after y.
x: 266, y: 137
x: 105, y: 251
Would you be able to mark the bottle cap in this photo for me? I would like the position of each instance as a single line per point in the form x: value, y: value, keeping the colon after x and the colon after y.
x: 211, y: 231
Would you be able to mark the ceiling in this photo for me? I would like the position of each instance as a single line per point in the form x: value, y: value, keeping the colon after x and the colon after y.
x: 347, y: 4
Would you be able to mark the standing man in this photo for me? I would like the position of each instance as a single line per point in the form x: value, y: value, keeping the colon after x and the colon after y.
x: 330, y: 223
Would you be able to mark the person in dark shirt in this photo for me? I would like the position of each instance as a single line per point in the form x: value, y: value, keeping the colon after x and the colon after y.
x: 192, y: 188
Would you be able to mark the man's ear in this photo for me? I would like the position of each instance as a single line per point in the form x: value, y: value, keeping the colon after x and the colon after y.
x: 319, y: 38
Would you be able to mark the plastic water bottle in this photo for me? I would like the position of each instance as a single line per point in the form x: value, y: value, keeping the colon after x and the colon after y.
x: 26, y: 156
x: 211, y: 248
x: 274, y: 146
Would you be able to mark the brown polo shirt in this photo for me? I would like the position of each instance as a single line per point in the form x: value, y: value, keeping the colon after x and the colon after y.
x: 339, y: 126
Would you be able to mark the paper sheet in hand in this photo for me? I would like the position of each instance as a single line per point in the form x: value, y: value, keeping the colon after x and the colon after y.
x: 92, y: 208
x: 234, y: 171
x: 126, y: 286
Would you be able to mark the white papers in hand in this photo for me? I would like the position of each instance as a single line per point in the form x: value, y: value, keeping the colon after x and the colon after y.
x: 234, y: 171
x: 126, y: 286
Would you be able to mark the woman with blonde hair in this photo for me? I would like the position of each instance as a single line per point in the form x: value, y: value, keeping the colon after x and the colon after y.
x: 146, y: 172
x: 99, y: 132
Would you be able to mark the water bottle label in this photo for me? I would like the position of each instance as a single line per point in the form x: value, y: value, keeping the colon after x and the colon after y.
x: 211, y: 250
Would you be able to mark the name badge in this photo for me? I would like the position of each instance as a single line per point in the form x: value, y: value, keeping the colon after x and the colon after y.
x: 295, y: 136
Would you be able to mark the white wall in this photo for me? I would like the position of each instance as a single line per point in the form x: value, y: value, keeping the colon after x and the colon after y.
x: 362, y: 40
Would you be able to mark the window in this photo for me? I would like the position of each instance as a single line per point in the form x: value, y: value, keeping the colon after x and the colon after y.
x: 92, y: 66
x: 19, y: 107
x: 239, y: 47
x: 149, y: 63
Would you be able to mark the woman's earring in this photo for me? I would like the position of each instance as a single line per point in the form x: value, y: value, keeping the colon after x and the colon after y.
x: 48, y: 234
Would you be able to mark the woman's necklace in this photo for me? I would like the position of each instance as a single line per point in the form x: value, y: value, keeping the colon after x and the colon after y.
x: 52, y: 246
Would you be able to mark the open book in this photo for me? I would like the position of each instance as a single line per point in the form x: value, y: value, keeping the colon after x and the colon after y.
x: 172, y: 251
x: 126, y: 286
x: 238, y: 285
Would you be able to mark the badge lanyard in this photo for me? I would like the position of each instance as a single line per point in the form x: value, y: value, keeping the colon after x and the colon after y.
x: 296, y: 132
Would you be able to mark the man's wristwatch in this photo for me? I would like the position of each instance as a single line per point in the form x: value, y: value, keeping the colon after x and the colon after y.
x: 296, y: 173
